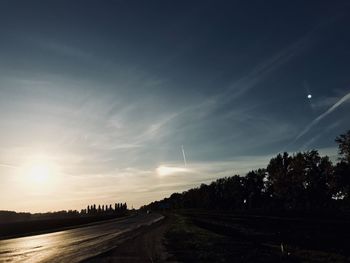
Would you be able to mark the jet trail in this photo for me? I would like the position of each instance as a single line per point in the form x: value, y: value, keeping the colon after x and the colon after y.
x: 319, y: 118
x: 184, y: 155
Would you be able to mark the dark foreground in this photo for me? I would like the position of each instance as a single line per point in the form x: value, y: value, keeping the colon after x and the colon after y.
x: 73, y: 245
x: 189, y: 236
x: 202, y: 236
x: 207, y: 236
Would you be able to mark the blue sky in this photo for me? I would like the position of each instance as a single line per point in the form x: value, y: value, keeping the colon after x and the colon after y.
x: 104, y: 93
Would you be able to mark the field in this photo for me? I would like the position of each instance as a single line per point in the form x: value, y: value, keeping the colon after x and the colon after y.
x: 202, y: 236
x: 30, y: 227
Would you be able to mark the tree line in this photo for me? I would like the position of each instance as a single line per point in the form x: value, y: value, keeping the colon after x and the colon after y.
x: 118, y: 209
x: 301, y: 182
x: 105, y: 209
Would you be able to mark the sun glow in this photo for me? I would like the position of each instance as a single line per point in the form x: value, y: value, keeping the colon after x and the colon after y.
x: 170, y: 170
x: 39, y: 171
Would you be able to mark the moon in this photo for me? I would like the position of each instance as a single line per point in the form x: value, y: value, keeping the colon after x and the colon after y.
x: 309, y: 96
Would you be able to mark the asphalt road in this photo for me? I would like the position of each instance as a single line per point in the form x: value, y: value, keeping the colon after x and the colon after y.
x: 73, y: 245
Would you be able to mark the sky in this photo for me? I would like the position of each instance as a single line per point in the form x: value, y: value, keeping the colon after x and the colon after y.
x: 98, y: 98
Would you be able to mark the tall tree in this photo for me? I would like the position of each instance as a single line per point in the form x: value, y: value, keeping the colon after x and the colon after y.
x: 343, y: 142
x: 278, y: 181
x: 254, y: 188
x: 342, y: 169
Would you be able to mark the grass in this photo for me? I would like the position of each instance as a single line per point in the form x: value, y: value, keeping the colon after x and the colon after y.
x: 190, y: 243
x: 209, y: 237
x: 193, y: 244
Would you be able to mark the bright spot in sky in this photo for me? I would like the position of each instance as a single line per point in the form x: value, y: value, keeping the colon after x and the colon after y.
x: 309, y: 96
x: 169, y: 170
x: 38, y: 171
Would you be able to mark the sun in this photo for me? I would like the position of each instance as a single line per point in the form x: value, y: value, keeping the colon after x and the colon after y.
x: 39, y: 172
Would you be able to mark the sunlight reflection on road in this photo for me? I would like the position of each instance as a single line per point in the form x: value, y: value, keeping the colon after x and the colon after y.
x: 70, y: 245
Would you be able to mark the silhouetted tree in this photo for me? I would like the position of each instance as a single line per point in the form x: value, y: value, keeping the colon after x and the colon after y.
x: 254, y: 188
x: 343, y: 142
x: 341, y: 178
x: 302, y: 182
x: 317, y: 170
x: 278, y: 181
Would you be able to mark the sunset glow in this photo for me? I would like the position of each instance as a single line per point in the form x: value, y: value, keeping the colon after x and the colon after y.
x: 38, y: 172
x: 113, y: 101
x: 171, y: 170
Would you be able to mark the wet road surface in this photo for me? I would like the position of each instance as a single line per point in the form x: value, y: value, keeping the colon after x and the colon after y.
x: 72, y: 245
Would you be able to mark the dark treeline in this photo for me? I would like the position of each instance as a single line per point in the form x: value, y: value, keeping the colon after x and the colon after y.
x: 14, y: 224
x: 303, y: 182
x: 11, y: 216
x: 91, y: 210
x: 105, y: 209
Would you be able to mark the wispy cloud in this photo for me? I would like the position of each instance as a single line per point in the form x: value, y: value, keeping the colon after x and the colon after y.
x: 113, y: 112
x: 322, y: 116
x: 201, y: 112
x: 260, y: 72
x: 163, y: 170
x: 323, y: 102
x: 309, y: 144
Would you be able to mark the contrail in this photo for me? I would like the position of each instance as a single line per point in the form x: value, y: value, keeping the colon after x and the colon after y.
x: 184, y: 155
x: 319, y: 118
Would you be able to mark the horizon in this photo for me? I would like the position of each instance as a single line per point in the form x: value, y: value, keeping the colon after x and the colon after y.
x: 334, y: 156
x: 124, y: 102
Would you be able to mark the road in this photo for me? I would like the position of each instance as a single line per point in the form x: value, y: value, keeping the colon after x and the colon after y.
x: 73, y: 245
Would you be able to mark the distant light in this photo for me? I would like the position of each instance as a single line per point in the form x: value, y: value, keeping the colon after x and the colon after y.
x: 170, y: 170
x: 309, y: 96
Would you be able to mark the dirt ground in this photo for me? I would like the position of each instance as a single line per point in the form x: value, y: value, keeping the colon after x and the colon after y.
x: 197, y: 236
x: 145, y: 245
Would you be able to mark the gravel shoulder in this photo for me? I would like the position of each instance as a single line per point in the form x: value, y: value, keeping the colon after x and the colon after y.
x: 143, y: 245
